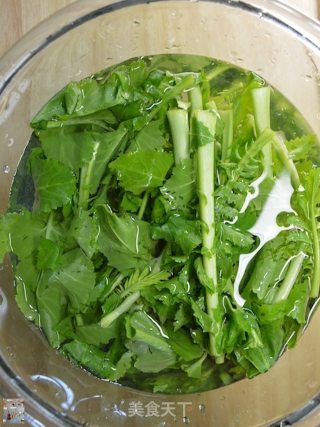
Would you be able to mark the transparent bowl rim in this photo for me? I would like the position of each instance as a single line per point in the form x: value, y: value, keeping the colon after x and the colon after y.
x: 74, y: 15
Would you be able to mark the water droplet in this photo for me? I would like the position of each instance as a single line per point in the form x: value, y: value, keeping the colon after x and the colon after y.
x: 202, y: 408
x: 186, y: 420
x: 6, y: 168
x: 313, y: 384
x: 10, y: 142
x: 23, y: 86
x: 162, y: 424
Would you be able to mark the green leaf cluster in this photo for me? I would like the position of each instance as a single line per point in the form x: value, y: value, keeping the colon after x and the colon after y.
x: 128, y: 258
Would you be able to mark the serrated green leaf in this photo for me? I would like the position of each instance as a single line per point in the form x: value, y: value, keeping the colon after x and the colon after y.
x: 180, y: 188
x: 183, y: 345
x: 77, y: 277
x: 108, y: 145
x: 23, y: 231
x: 194, y: 370
x: 54, y: 183
x: 52, y: 303
x: 180, y: 231
x: 149, y: 344
x: 98, y: 361
x: 142, y: 170
x: 96, y: 335
x: 85, y: 230
x: 68, y: 145
x: 303, y: 147
x: 130, y: 202
x: 203, y: 319
x: 125, y: 241
x: 149, y: 138
x: 236, y: 236
x: 47, y: 254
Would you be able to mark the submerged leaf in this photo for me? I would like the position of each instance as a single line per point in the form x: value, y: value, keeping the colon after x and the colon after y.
x: 142, y: 170
x: 54, y: 183
x: 125, y: 241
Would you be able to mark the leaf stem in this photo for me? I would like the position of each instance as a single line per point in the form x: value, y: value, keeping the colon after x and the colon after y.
x: 216, y: 71
x: 261, y: 111
x: 205, y: 119
x: 195, y: 97
x: 85, y: 176
x: 184, y: 84
x: 143, y: 205
x: 227, y: 138
x: 288, y: 163
x: 290, y: 278
x: 179, y: 126
x: 115, y: 284
x: 49, y: 226
x: 266, y: 137
x: 121, y: 309
x: 316, y: 252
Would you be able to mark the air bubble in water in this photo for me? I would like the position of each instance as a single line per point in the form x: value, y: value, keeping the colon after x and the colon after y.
x: 202, y: 408
x: 6, y: 168
x: 186, y: 420
x: 10, y: 142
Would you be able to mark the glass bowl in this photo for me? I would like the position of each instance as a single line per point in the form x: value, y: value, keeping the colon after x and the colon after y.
x: 265, y: 36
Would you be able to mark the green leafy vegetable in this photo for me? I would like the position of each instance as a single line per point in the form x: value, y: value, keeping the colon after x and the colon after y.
x: 143, y: 170
x: 125, y: 241
x: 54, y: 183
x: 164, y: 224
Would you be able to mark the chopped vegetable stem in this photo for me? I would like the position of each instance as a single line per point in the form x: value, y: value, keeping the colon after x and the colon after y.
x: 85, y: 176
x: 178, y: 120
x: 290, y: 278
x: 143, y: 205
x: 227, y: 138
x: 107, y: 320
x: 261, y: 108
x: 207, y: 120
